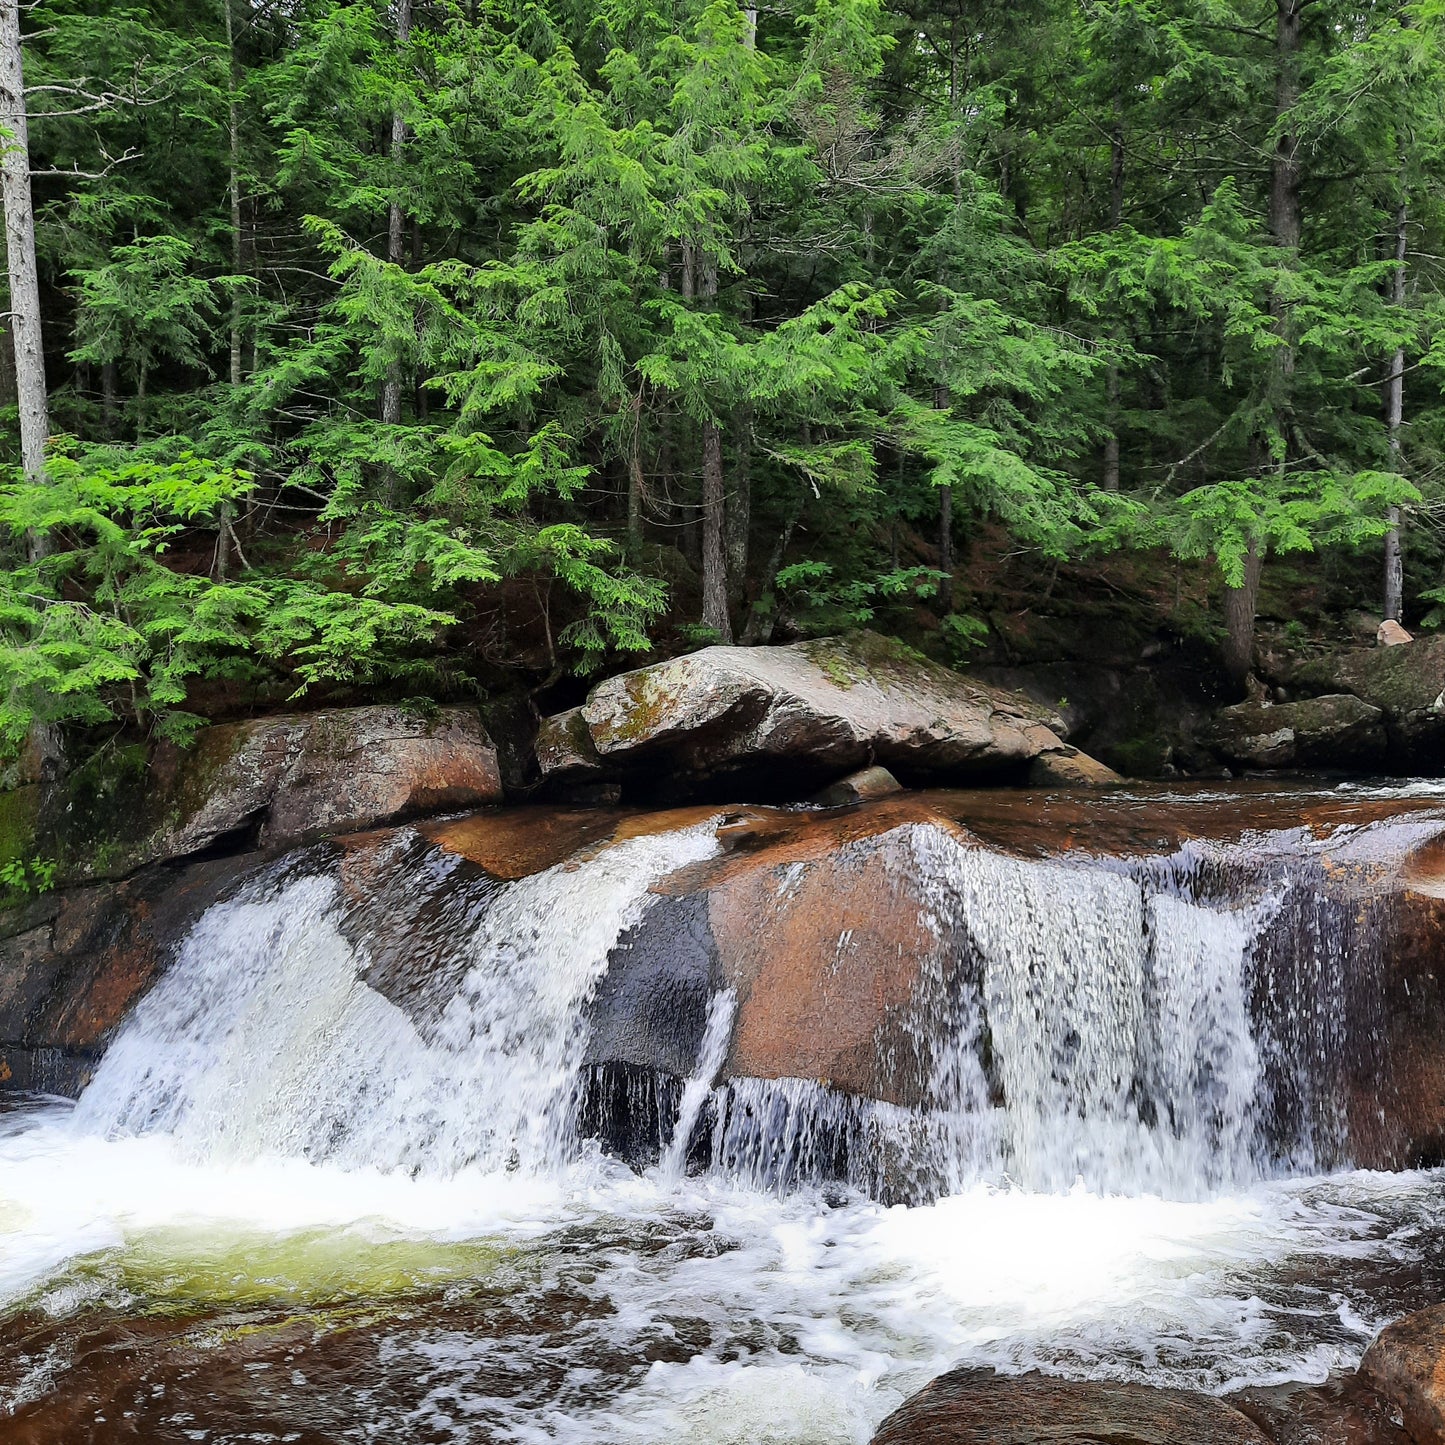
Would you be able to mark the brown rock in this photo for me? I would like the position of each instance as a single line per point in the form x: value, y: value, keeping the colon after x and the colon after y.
x: 978, y: 1407
x: 1391, y: 634
x: 859, y: 787
x: 1344, y: 1411
x: 1069, y: 768
x: 1406, y: 1364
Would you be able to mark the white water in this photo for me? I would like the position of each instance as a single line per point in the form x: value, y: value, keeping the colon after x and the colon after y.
x: 267, y: 1123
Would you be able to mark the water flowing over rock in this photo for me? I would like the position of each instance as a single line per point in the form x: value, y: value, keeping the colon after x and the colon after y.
x: 786, y: 719
x: 922, y: 992
x: 977, y: 1407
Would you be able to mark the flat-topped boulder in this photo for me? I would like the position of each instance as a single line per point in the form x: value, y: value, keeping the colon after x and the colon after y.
x: 978, y: 1407
x: 786, y: 720
x: 1406, y: 682
x: 1335, y: 731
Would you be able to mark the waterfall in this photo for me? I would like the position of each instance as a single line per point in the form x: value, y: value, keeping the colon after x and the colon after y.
x: 263, y: 1036
x: 1165, y: 1025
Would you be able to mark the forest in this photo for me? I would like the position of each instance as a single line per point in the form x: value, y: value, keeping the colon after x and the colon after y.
x: 355, y: 345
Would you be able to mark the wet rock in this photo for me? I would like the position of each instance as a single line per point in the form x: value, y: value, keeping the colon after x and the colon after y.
x: 1406, y: 1365
x: 1344, y: 1411
x: 859, y: 787
x: 1391, y: 634
x: 978, y: 1407
x: 783, y: 719
x: 1338, y: 731
x: 1407, y: 684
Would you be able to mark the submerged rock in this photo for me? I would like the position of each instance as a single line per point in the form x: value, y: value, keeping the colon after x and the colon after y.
x: 978, y: 1407
x: 782, y: 720
x: 1406, y: 1364
x: 1338, y: 731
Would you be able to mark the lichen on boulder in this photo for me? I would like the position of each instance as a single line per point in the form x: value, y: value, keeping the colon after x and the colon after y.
x: 785, y: 720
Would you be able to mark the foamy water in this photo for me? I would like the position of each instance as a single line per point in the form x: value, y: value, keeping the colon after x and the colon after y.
x: 1125, y: 1150
x: 810, y: 1319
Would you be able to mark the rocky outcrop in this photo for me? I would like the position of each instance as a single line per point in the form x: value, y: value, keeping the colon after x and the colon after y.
x: 978, y: 1407
x: 1338, y: 731
x: 1406, y: 1365
x: 265, y: 784
x: 1406, y: 683
x: 784, y: 720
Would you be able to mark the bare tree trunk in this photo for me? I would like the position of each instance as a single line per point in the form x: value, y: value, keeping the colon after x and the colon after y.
x: 1394, y: 420
x: 20, y: 249
x: 942, y: 402
x: 234, y: 126
x: 740, y: 505
x: 396, y: 227
x: 636, y: 479
x: 714, y: 500
x: 1111, y: 375
x: 760, y: 622
x: 109, y: 400
x: 1239, y: 609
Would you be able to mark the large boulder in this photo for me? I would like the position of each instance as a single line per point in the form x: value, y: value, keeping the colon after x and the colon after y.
x: 978, y: 1407
x: 785, y: 720
x: 267, y: 783
x: 1406, y: 683
x: 1338, y: 731
x: 1406, y: 1364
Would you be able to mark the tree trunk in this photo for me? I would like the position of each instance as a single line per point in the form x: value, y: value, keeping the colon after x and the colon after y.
x: 714, y: 503
x: 1394, y: 421
x: 1111, y: 375
x: 740, y: 505
x: 234, y: 132
x: 942, y: 402
x: 1239, y: 609
x: 636, y: 480
x: 396, y: 224
x: 20, y: 248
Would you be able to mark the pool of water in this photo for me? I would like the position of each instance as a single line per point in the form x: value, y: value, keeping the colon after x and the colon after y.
x: 151, y: 1296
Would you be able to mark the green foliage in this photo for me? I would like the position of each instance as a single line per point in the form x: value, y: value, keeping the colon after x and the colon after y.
x: 434, y: 396
x: 28, y: 877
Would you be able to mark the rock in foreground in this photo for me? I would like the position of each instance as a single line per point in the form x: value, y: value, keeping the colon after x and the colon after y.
x: 978, y: 1407
x: 1406, y: 1365
x: 787, y: 719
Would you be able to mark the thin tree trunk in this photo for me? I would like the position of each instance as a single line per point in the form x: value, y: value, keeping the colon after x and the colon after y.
x: 109, y: 399
x: 714, y: 500
x: 1394, y: 420
x: 234, y: 132
x: 1240, y: 604
x: 20, y: 249
x: 636, y: 480
x: 761, y: 618
x: 691, y: 530
x: 945, y: 522
x: 396, y: 225
x: 739, y: 506
x: 1111, y: 375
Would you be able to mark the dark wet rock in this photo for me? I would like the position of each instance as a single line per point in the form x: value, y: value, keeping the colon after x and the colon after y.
x: 1345, y: 1411
x: 1406, y: 1365
x: 978, y: 1407
x: 1336, y: 731
x: 785, y: 719
x: 651, y: 1006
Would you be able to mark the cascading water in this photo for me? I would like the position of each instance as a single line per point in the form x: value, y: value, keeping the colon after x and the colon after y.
x: 343, y: 1144
x: 263, y: 1037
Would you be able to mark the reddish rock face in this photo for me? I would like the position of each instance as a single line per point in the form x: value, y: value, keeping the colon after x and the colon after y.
x: 977, y: 1407
x: 1406, y: 1365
